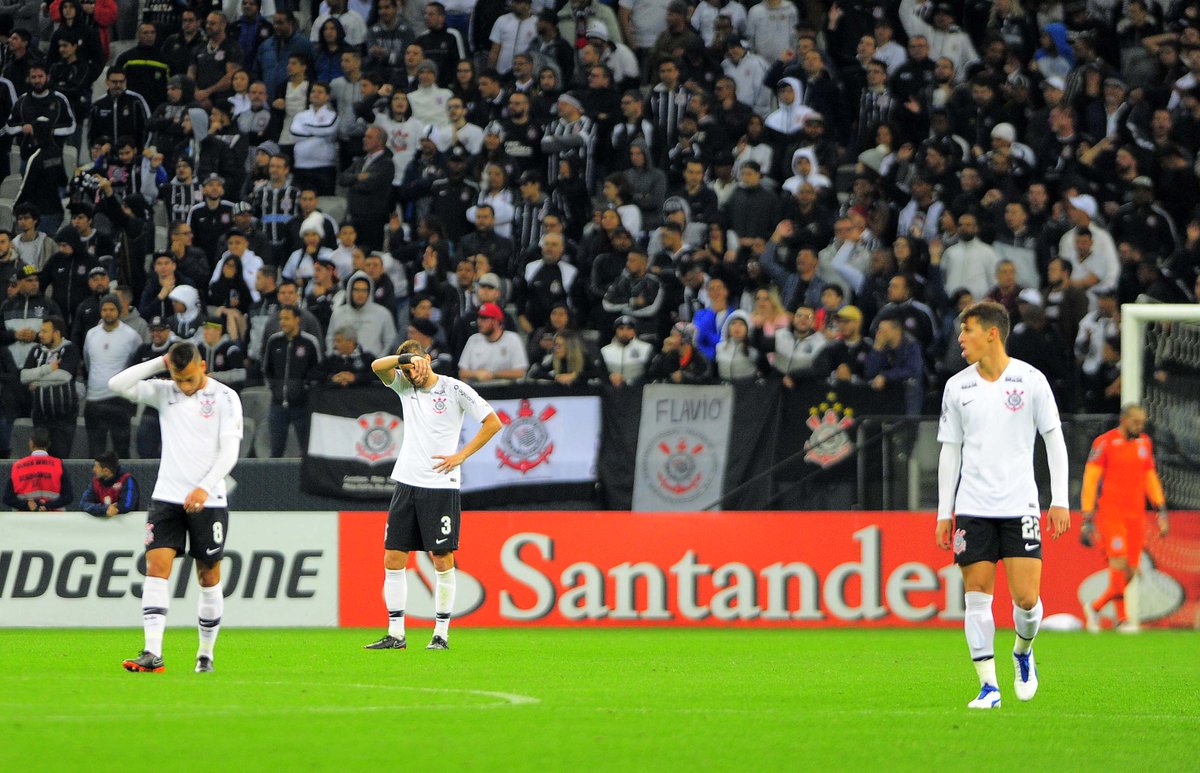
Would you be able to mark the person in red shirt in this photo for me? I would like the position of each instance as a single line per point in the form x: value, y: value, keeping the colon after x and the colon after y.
x: 38, y: 483
x: 1123, y: 460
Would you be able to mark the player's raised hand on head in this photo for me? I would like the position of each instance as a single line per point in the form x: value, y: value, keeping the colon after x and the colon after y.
x: 942, y: 533
x: 1060, y: 521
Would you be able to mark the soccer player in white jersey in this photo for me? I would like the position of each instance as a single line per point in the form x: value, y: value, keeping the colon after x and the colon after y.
x: 425, y: 510
x: 201, y: 421
x: 991, y: 412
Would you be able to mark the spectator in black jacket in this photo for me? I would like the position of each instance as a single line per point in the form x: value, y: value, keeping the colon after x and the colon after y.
x: 49, y: 373
x: 347, y: 364
x: 146, y: 67
x: 290, y: 366
x: 65, y: 276
x: 113, y: 491
x: 369, y: 180
x: 680, y: 362
x: 72, y: 77
x: 120, y: 112
x: 40, y: 100
x: 44, y: 176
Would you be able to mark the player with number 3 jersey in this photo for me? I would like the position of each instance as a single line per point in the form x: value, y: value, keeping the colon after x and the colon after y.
x: 425, y: 510
x: 992, y: 412
x: 201, y: 422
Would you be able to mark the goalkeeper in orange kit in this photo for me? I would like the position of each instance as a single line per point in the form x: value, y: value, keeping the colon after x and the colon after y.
x: 1121, y: 465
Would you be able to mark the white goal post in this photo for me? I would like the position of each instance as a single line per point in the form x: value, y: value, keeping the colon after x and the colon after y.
x: 1134, y: 318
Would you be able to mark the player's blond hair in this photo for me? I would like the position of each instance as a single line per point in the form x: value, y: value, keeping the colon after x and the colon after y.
x: 410, y: 347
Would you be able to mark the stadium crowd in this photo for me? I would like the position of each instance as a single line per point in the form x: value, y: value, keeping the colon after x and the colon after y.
x: 586, y: 193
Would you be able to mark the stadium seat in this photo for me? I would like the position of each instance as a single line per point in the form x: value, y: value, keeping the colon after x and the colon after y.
x: 334, y: 206
x: 10, y: 186
x: 923, y: 467
x: 256, y: 402
x: 70, y: 159
x: 6, y: 215
x: 262, y: 443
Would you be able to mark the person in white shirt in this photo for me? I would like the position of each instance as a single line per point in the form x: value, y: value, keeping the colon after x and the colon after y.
x: 945, y: 38
x: 315, y: 130
x: 625, y: 359
x: 428, y: 100
x: 201, y: 422
x: 354, y: 24
x: 970, y: 263
x: 770, y: 27
x: 987, y: 495
x: 493, y: 353
x: 425, y: 510
x: 107, y: 349
x: 511, y: 34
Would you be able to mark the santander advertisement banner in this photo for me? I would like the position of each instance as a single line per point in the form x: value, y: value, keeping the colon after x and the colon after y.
x: 733, y: 569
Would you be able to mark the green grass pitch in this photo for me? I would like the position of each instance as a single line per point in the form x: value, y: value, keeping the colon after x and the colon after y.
x: 594, y: 700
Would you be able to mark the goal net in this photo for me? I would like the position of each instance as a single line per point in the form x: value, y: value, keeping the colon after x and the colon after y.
x: 1160, y: 369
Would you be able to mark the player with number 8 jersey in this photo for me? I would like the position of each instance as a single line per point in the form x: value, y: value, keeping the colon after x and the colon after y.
x: 992, y: 412
x: 425, y: 510
x: 201, y: 422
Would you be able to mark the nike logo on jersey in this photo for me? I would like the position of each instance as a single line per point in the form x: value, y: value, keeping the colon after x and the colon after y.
x: 1030, y: 546
x: 968, y: 402
x: 443, y: 539
x: 212, y: 551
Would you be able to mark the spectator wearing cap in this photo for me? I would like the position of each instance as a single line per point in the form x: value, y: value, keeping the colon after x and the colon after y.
x: 624, y: 360
x: 33, y: 245
x: 86, y: 314
x: 49, y: 373
x: 845, y: 361
x: 429, y: 100
x: 529, y: 211
x: 149, y: 438
x: 1101, y: 267
x: 120, y: 112
x: 493, y: 353
x: 107, y: 350
x: 374, y: 325
x: 315, y: 130
x: 245, y: 223
x: 1037, y: 342
x: 1144, y: 222
x: 211, y: 218
x: 146, y: 67
x: 369, y: 184
x: 224, y: 356
x: 680, y: 361
x: 65, y: 277
x: 113, y: 491
x: 23, y: 312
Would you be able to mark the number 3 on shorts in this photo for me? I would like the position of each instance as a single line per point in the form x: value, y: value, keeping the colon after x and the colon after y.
x: 218, y: 533
x: 1029, y: 528
x: 445, y: 524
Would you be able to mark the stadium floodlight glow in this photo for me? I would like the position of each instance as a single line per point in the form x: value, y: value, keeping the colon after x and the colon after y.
x: 1134, y: 318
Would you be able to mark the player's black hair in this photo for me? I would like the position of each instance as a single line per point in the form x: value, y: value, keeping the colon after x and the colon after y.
x: 988, y: 314
x: 182, y: 354
x: 291, y: 308
x: 108, y: 460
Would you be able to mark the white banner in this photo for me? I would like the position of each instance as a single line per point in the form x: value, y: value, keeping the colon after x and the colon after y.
x: 544, y: 440
x: 70, y: 569
x: 683, y: 439
x: 373, y: 439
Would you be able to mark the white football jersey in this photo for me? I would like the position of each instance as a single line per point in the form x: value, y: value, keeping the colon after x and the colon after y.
x: 433, y: 421
x: 997, y: 422
x: 191, y: 429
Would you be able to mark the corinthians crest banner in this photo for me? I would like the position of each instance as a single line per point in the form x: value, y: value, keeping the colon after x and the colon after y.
x: 683, y: 441
x: 353, y: 443
x: 544, y: 440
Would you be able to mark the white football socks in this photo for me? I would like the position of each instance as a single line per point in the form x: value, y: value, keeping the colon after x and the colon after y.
x: 212, y: 604
x: 980, y: 628
x: 443, y: 602
x: 1027, y: 622
x: 395, y: 597
x: 156, y: 597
